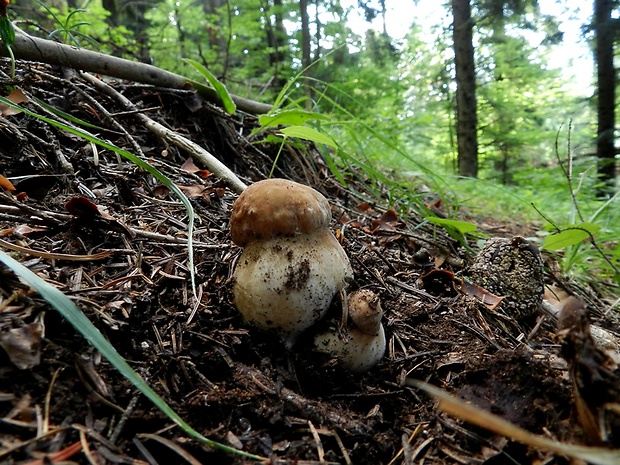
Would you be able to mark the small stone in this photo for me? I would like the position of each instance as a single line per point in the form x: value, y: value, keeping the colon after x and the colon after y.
x: 510, y: 267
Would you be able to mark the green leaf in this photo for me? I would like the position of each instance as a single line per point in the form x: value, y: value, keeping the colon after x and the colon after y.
x: 303, y: 132
x: 220, y: 88
x: 462, y: 227
x: 570, y: 236
x: 289, y: 118
x: 82, y: 324
x: 7, y: 31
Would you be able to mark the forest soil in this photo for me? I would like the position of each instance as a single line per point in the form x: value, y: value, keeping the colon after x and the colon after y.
x: 233, y: 383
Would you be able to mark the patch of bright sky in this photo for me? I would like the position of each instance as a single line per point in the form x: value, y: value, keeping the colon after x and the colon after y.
x: 572, y: 56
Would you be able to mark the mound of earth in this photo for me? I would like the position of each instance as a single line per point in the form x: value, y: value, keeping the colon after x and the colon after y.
x: 114, y: 239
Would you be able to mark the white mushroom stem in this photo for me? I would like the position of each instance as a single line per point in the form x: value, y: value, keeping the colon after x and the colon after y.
x: 361, y: 346
x: 286, y: 284
x: 357, y: 351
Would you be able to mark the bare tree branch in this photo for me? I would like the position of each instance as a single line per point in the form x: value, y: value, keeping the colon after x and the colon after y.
x: 27, y: 47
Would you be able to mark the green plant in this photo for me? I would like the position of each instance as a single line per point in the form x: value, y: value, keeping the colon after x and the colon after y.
x: 7, y: 33
x: 349, y: 144
x: 587, y: 241
x: 68, y: 25
x: 220, y: 88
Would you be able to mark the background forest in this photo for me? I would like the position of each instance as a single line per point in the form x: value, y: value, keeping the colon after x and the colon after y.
x: 474, y: 100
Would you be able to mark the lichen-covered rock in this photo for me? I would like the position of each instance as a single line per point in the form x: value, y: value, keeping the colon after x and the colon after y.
x: 510, y: 267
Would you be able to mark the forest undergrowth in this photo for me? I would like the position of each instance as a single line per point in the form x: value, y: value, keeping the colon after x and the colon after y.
x: 112, y: 238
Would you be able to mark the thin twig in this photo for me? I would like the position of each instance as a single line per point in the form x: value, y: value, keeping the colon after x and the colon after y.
x: 198, y: 153
x: 106, y: 114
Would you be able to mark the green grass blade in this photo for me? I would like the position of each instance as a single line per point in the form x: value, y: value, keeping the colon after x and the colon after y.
x: 137, y: 161
x: 82, y: 324
x: 306, y: 133
x: 220, y: 88
x: 463, y: 227
x: 67, y: 116
x: 570, y: 236
x: 293, y: 117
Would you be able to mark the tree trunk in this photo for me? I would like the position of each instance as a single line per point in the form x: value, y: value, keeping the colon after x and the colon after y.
x: 317, y: 36
x: 305, y: 48
x: 276, y: 39
x: 466, y: 119
x: 606, y: 83
x: 132, y: 15
x: 383, y: 13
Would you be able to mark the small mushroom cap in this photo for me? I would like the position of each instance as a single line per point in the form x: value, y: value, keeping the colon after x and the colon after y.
x: 277, y: 207
x: 365, y: 311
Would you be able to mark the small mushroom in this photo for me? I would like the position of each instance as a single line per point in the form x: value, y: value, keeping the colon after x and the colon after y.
x: 360, y: 345
x: 292, y: 265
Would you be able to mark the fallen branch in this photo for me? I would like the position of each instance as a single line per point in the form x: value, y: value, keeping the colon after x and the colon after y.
x: 27, y: 47
x: 196, y: 151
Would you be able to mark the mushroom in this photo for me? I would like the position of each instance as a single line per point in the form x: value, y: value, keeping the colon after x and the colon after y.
x: 361, y: 345
x: 291, y: 266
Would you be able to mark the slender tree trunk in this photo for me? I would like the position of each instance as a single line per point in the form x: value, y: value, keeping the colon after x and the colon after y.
x: 132, y: 15
x: 305, y: 47
x: 606, y: 83
x: 466, y: 118
x: 215, y: 24
x: 383, y: 12
x: 276, y: 39
x: 317, y: 36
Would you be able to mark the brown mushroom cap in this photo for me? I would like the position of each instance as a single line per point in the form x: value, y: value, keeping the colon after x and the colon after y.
x: 277, y: 207
x: 365, y: 311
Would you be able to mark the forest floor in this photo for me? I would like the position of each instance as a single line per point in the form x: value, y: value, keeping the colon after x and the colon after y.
x: 235, y: 384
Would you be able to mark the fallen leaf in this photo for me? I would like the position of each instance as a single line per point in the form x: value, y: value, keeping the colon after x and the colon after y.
x: 194, y: 190
x: 82, y: 207
x: 25, y: 230
x: 23, y: 345
x: 489, y: 300
x: 364, y: 207
x: 6, y: 184
x: 444, y: 282
x: 37, y: 186
x: 189, y: 167
x: 438, y: 282
x: 388, y: 222
x: 91, y: 215
x: 161, y: 192
x: 16, y: 96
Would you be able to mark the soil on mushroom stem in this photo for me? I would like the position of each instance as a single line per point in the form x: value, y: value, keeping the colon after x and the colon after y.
x: 235, y: 384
